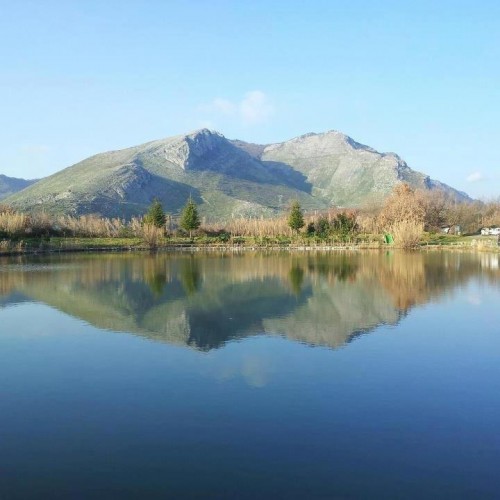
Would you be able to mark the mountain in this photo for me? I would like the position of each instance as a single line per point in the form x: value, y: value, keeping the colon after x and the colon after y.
x: 11, y: 185
x: 226, y: 178
x: 344, y: 172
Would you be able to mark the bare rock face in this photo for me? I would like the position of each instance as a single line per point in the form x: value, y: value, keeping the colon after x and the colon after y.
x: 127, y: 179
x: 201, y: 144
x: 185, y: 151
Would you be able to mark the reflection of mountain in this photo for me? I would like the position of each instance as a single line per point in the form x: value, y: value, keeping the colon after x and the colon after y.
x: 205, y: 300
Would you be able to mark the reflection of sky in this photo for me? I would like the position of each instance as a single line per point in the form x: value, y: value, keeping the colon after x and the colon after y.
x: 254, y: 365
x: 379, y: 415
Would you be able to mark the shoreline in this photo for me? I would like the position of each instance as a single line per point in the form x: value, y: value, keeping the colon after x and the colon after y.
x: 470, y: 246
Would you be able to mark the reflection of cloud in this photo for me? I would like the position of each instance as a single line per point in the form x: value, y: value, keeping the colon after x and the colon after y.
x: 254, y: 369
x: 255, y: 107
x: 475, y: 177
x: 475, y: 300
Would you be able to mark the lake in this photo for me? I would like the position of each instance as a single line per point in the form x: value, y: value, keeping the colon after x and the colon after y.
x: 250, y: 375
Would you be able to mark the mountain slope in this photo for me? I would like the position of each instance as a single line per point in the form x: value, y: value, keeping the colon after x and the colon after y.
x: 342, y: 171
x: 226, y: 178
x: 10, y: 185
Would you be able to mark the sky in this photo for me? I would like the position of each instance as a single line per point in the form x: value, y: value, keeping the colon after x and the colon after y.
x: 421, y: 79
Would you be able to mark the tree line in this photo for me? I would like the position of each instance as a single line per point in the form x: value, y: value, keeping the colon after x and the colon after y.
x: 405, y: 215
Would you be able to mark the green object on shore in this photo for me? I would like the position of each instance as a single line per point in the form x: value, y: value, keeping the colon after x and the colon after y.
x: 388, y: 239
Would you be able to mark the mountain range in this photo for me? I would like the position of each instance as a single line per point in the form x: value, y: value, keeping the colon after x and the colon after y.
x: 11, y: 185
x: 227, y: 178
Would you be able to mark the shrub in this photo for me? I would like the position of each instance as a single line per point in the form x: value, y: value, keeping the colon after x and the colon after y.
x: 322, y: 227
x: 344, y: 225
x: 151, y: 235
x: 407, y: 233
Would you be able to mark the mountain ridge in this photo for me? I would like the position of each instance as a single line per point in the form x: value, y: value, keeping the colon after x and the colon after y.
x: 11, y: 185
x: 227, y: 178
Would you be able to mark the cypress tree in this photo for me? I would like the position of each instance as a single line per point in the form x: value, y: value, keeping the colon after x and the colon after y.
x: 295, y: 218
x: 190, y: 220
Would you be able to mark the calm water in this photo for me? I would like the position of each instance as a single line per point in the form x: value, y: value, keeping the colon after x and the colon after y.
x: 373, y: 375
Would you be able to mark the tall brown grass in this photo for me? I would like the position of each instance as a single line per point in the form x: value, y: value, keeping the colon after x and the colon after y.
x: 39, y: 223
x: 258, y: 228
x: 151, y: 235
x: 14, y: 223
x: 92, y: 225
x: 407, y: 233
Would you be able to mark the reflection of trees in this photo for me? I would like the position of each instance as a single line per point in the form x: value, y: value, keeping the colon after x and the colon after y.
x: 416, y: 278
x: 204, y: 300
x: 334, y: 267
x: 296, y: 276
x: 190, y: 275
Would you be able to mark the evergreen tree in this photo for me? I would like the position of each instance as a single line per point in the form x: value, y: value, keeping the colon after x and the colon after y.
x: 190, y: 220
x: 295, y: 218
x: 155, y: 215
x: 322, y: 227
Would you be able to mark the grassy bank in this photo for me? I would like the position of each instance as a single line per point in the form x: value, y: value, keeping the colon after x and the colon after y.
x: 38, y: 245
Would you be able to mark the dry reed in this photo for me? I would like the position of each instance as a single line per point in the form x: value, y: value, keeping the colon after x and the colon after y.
x: 151, y: 235
x: 407, y: 233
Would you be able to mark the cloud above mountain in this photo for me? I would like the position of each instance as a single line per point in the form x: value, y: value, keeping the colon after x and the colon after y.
x: 475, y: 177
x: 254, y: 108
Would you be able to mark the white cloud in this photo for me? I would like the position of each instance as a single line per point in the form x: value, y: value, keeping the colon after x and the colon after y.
x: 255, y: 107
x: 223, y: 106
x: 475, y: 177
x: 207, y: 124
x: 35, y: 149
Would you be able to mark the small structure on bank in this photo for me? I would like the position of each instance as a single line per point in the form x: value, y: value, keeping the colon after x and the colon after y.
x: 491, y: 231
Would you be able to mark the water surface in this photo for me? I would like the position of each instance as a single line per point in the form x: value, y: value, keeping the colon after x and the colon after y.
x: 250, y: 375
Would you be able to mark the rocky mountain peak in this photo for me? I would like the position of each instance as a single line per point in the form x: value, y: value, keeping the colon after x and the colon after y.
x: 184, y: 150
x: 202, y: 142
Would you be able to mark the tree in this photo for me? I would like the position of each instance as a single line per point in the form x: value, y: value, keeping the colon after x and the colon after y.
x: 155, y: 215
x: 435, y: 204
x: 295, y: 218
x: 190, y: 220
x: 344, y: 225
x: 322, y: 227
x: 401, y: 205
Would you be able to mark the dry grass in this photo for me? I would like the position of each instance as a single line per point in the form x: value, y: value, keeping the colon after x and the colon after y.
x: 259, y: 228
x: 92, y: 225
x: 407, y: 233
x: 13, y: 223
x: 16, y: 224
x: 151, y: 235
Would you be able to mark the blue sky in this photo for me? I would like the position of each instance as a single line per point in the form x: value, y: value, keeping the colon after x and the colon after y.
x: 421, y: 79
